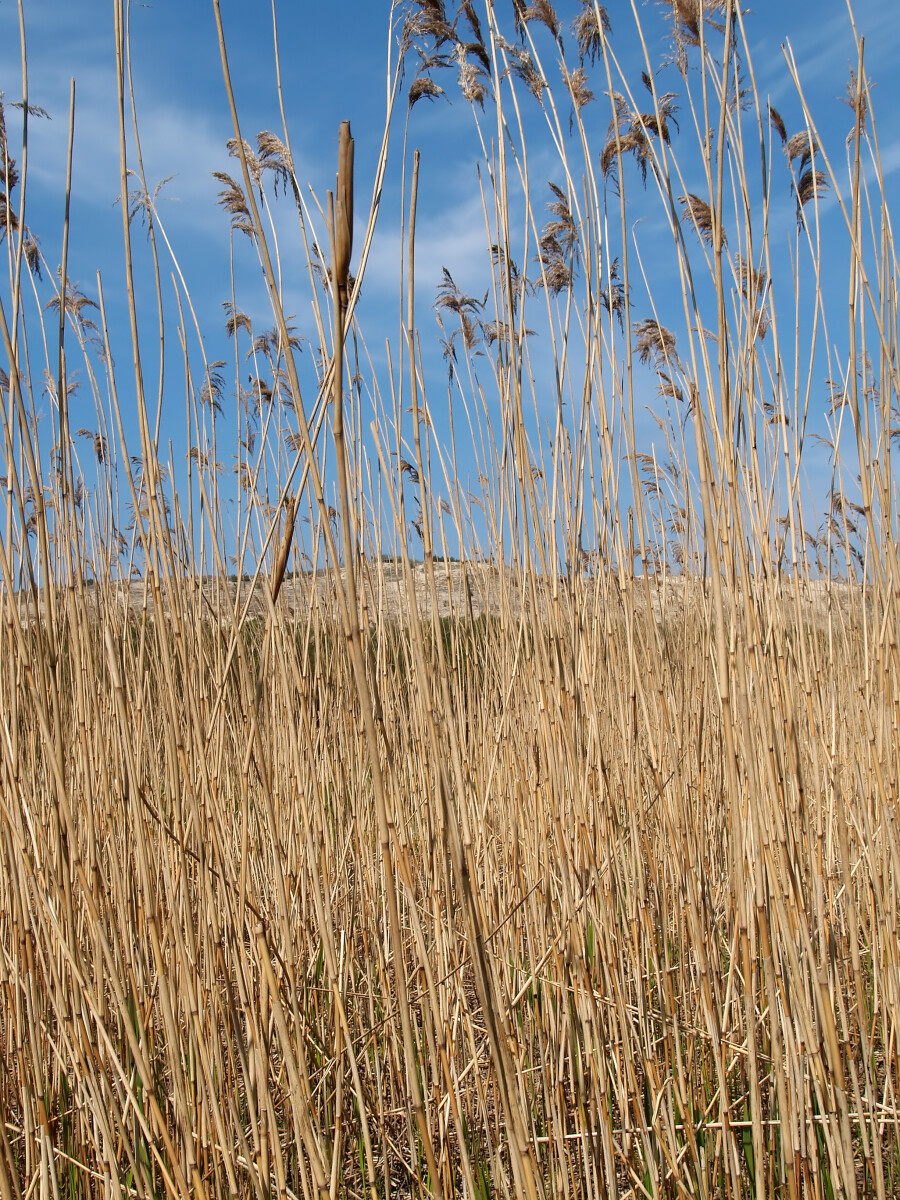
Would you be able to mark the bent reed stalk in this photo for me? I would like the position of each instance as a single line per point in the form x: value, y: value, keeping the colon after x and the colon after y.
x: 508, y: 804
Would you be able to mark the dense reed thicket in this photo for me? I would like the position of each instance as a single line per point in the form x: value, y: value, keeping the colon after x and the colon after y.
x: 566, y: 869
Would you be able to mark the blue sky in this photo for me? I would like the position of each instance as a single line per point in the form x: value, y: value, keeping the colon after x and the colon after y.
x: 333, y: 59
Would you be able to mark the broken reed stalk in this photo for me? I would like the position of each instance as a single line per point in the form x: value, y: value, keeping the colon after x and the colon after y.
x: 341, y: 236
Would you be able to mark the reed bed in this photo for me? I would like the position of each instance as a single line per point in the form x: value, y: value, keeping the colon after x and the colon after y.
x: 536, y: 837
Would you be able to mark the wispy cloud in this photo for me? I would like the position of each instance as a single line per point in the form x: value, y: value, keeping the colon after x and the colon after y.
x: 890, y: 157
x: 824, y: 50
x: 454, y: 237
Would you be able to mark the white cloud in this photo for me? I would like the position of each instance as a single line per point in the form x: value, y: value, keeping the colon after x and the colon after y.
x: 823, y: 49
x: 454, y: 237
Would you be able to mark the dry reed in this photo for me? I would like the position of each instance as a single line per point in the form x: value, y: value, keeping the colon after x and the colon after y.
x: 567, y: 869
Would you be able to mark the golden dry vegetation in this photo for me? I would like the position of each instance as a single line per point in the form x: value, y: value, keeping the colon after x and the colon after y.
x: 570, y: 870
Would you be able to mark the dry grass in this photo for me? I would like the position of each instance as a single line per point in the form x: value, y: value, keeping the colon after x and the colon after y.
x: 567, y: 871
